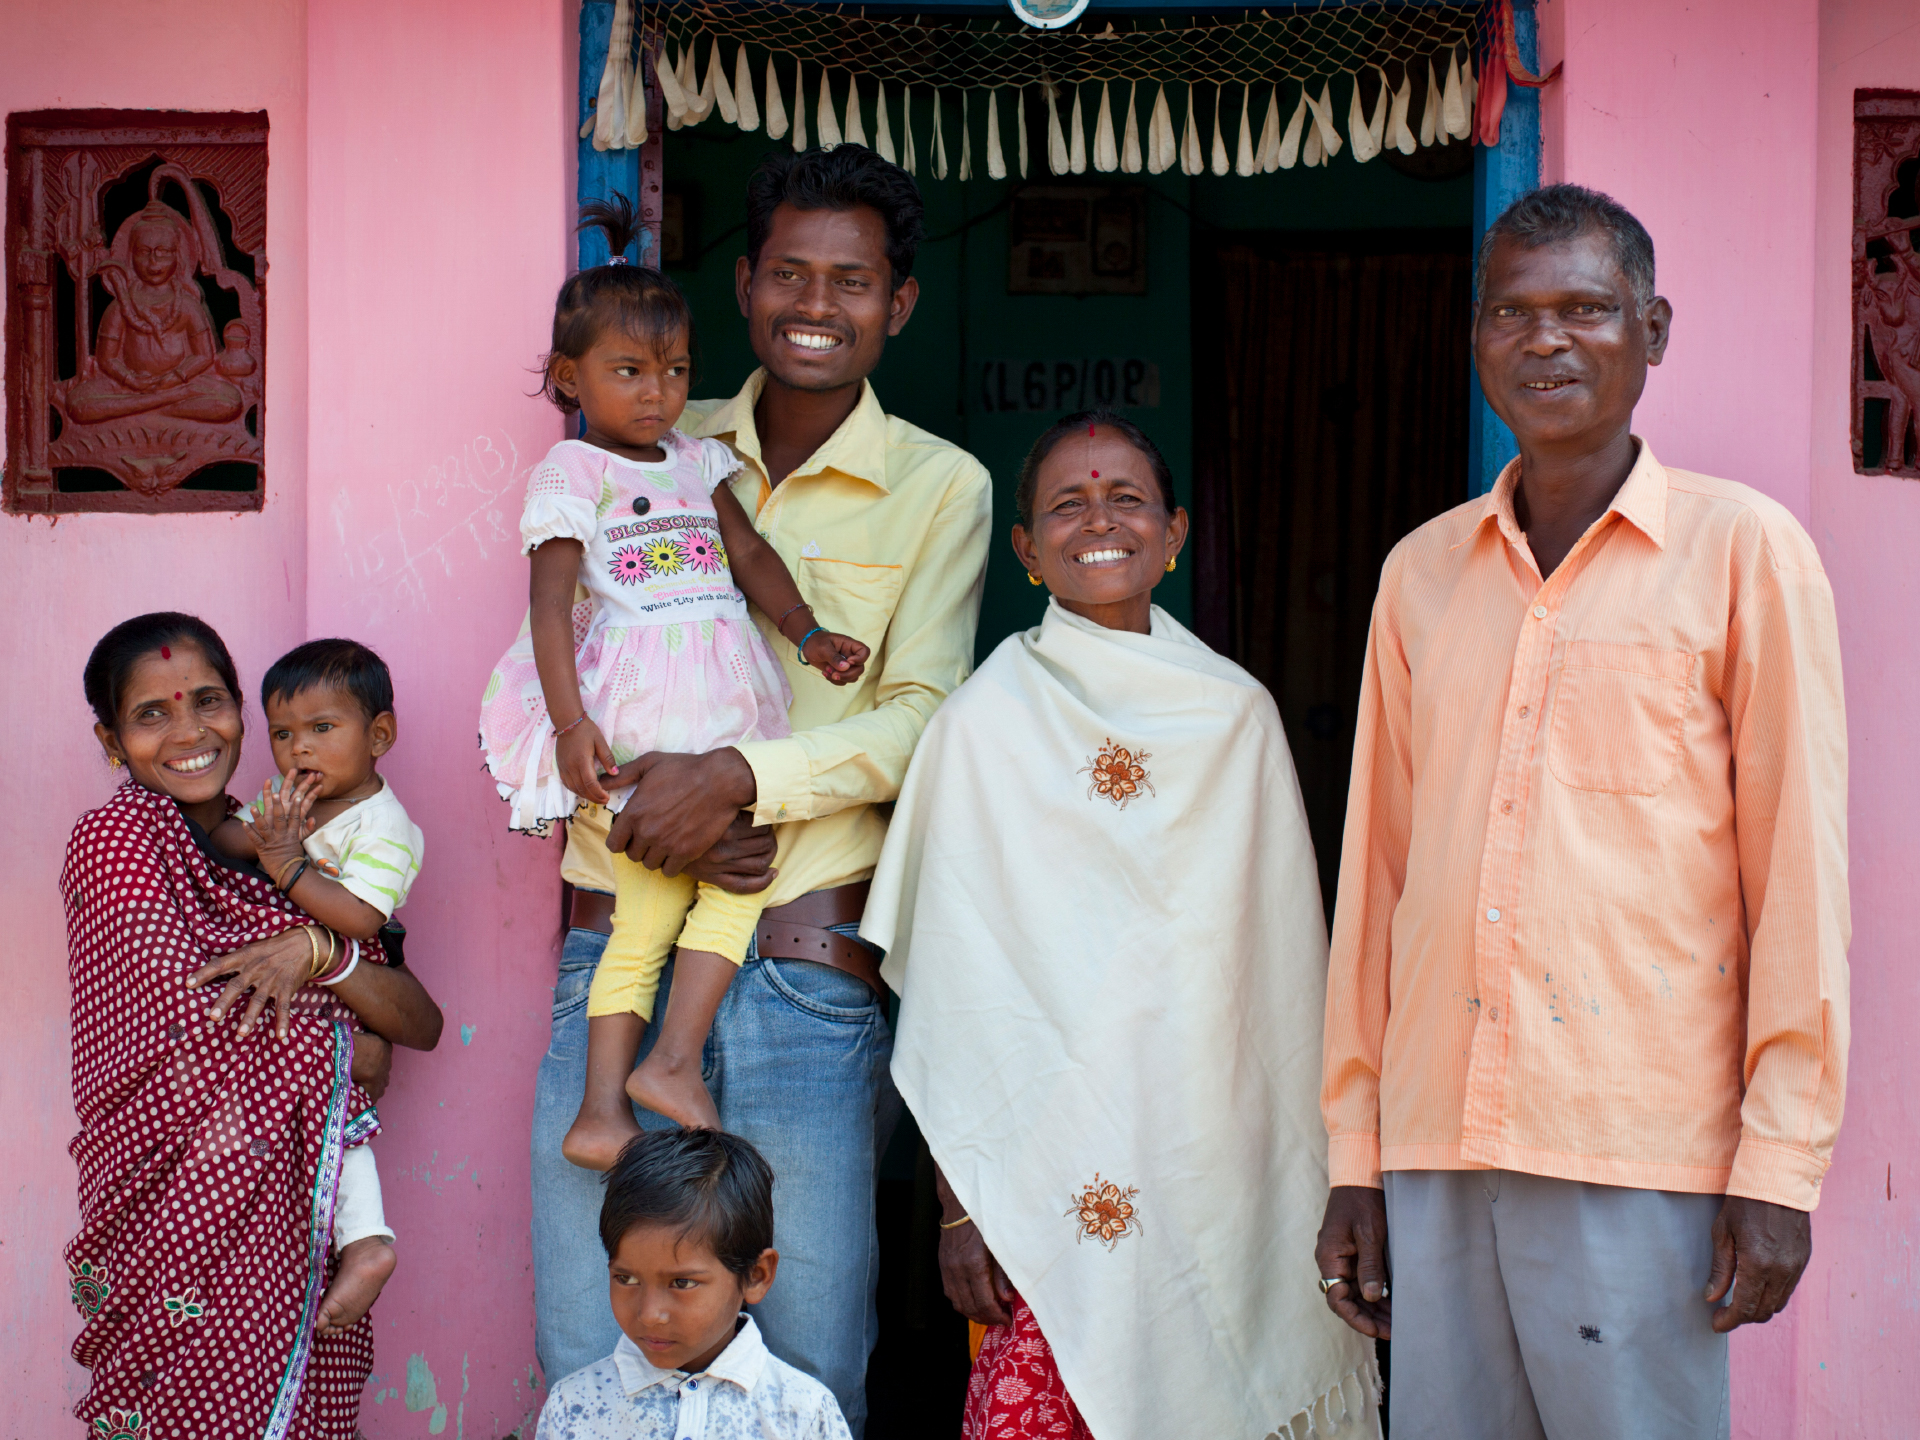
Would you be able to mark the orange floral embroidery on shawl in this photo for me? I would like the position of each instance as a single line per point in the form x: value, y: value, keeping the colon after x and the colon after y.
x: 1117, y: 773
x: 1106, y: 1212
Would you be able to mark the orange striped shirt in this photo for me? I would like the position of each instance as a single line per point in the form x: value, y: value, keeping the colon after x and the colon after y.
x: 1593, y: 897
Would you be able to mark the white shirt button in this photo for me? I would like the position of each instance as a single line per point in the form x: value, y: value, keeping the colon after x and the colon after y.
x: 1539, y: 612
x: 1494, y: 916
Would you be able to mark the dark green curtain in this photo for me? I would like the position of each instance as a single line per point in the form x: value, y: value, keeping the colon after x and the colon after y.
x: 1332, y: 419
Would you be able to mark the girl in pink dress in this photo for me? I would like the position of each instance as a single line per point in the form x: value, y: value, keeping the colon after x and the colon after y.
x: 659, y: 655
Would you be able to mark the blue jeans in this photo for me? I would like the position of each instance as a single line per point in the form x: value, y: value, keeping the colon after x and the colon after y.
x: 796, y: 1063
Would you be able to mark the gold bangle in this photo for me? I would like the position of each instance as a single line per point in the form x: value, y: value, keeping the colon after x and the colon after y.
x: 313, y: 957
x: 280, y: 881
x: 956, y: 1224
x: 333, y: 951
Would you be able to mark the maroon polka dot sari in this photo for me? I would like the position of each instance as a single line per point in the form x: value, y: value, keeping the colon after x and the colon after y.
x: 208, y: 1162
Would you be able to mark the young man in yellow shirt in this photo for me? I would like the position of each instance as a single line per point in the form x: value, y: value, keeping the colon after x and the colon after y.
x: 885, y: 527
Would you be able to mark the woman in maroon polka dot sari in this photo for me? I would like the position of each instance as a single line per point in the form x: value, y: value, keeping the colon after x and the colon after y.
x: 213, y: 1117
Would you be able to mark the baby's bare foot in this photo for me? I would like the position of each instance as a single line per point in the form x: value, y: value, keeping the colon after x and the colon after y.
x: 597, y: 1138
x: 358, y: 1279
x: 675, y: 1091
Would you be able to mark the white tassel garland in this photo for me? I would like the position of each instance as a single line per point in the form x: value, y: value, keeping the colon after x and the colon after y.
x: 689, y: 77
x: 996, y: 157
x: 826, y: 124
x: 1330, y: 140
x: 1268, y: 159
x: 966, y: 140
x: 1020, y: 125
x: 1365, y: 138
x: 855, y: 129
x: 722, y: 91
x: 743, y: 93
x: 776, y: 106
x: 1130, y: 144
x: 1191, y: 161
x: 671, y: 93
x: 1243, y: 165
x: 1290, y: 143
x: 1057, y: 158
x: 939, y: 141
x: 882, y: 128
x: 1399, y: 136
x: 1453, y: 104
x: 1430, y: 131
x: 709, y: 96
x: 1221, y: 165
x: 1313, y: 152
x: 1077, y: 155
x: 800, y: 104
x: 608, y: 122
x: 1106, y: 150
x: 1160, y: 147
x: 909, y: 161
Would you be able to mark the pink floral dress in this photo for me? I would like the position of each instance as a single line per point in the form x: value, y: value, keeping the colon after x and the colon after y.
x: 666, y: 654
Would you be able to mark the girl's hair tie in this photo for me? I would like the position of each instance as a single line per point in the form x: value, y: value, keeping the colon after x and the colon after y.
x: 618, y: 260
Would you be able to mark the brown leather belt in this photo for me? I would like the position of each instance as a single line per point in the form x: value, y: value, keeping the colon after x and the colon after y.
x: 592, y: 910
x: 796, y: 931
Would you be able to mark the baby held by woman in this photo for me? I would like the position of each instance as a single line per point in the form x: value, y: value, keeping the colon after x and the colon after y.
x: 331, y: 835
x: 638, y: 639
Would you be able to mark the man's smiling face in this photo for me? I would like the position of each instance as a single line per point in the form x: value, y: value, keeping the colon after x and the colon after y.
x: 820, y: 305
x: 1560, y: 342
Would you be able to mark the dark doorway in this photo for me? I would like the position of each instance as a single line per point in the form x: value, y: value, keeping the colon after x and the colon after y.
x: 1330, y: 418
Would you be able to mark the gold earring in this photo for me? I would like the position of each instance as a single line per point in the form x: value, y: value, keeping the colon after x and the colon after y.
x: 1170, y: 564
x: 113, y: 762
x: 1033, y: 579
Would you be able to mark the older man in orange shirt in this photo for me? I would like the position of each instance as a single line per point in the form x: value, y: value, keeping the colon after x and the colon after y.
x: 1586, y: 1027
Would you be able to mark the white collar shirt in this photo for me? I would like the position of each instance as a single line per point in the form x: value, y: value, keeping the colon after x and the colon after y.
x: 747, y: 1393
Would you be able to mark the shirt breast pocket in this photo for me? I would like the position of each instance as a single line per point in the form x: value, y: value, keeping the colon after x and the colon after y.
x: 850, y: 598
x: 1618, y: 717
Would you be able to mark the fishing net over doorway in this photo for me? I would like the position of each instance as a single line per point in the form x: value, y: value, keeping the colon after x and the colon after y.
x: 1289, y: 85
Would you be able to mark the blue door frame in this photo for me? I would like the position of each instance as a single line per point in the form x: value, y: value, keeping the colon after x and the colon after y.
x: 1500, y: 176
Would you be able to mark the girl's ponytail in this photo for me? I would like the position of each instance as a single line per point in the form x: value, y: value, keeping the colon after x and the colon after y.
x: 635, y: 299
x: 617, y: 219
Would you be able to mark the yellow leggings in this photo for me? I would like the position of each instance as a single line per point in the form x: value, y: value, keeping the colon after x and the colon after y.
x: 651, y: 914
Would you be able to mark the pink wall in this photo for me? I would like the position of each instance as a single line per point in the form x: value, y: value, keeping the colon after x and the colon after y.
x: 1727, y: 127
x: 439, y: 236
x: 440, y: 173
x: 66, y: 583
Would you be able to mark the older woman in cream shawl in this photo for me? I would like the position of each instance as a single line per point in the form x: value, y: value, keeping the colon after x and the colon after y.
x: 1101, y: 913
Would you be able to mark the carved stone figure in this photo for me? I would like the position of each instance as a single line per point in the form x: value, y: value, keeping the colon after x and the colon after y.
x: 155, y: 344
x: 1886, y: 283
x: 136, y: 311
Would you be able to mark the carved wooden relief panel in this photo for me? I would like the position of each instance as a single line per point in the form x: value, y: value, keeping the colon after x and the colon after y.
x: 1886, y: 282
x: 136, y: 310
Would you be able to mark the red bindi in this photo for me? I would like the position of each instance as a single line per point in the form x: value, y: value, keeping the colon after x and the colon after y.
x: 1096, y: 474
x: 165, y: 653
x: 1089, y: 431
x: 178, y: 696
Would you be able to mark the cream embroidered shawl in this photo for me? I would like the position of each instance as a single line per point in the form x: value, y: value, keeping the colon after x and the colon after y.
x: 1100, y: 908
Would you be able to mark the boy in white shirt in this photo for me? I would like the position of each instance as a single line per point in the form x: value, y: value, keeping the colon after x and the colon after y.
x: 688, y: 1226
x: 332, y: 836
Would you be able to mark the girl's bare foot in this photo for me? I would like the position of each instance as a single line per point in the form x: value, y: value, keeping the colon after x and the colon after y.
x: 674, y: 1089
x: 598, y: 1136
x: 361, y: 1274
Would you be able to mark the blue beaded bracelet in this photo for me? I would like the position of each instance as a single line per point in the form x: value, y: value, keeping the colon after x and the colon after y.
x: 801, y: 648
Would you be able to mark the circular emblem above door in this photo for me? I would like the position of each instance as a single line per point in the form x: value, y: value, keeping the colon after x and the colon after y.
x: 1048, y: 14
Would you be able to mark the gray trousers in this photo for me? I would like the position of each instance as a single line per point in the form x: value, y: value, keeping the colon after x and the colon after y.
x: 1527, y: 1308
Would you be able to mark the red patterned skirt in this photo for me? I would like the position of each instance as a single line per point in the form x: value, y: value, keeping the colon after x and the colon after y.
x: 1015, y: 1391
